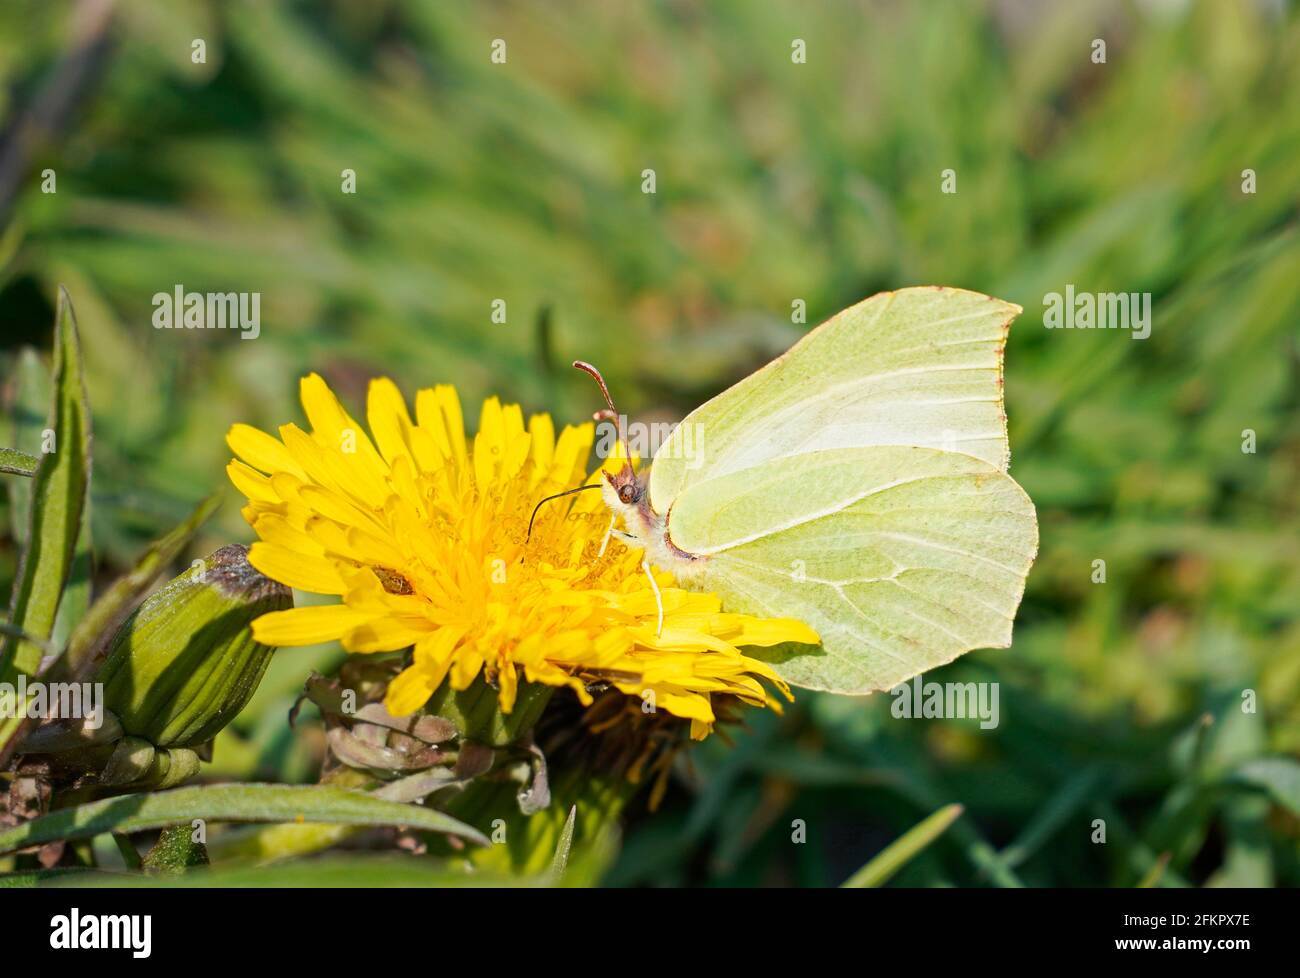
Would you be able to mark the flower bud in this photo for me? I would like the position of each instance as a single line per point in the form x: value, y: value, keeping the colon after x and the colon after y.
x: 135, y: 763
x: 185, y: 663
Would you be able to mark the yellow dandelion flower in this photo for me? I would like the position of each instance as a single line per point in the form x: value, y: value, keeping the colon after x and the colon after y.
x: 424, y: 537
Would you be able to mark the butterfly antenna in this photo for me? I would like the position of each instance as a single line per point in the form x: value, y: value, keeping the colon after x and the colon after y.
x: 567, y: 492
x: 612, y: 413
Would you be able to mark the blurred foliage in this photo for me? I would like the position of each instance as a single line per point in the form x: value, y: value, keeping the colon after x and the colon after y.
x: 775, y: 182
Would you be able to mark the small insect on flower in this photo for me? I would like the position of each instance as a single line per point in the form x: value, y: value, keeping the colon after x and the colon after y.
x: 436, y: 543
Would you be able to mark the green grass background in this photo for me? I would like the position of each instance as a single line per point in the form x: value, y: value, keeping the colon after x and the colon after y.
x: 775, y: 181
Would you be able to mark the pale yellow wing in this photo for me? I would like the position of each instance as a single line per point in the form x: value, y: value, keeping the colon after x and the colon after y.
x: 902, y: 558
x: 920, y: 366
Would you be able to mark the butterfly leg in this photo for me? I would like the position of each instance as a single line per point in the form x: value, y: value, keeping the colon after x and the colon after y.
x: 608, y: 533
x: 622, y: 536
x: 659, y: 598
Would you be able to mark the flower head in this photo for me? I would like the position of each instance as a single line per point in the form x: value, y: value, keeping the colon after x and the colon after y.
x: 424, y: 537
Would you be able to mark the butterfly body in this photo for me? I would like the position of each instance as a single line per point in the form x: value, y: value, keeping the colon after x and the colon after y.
x: 643, y: 527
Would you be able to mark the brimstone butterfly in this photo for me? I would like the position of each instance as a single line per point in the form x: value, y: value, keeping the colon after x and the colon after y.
x: 857, y: 483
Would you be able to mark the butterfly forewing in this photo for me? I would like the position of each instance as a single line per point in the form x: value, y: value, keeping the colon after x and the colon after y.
x: 920, y: 366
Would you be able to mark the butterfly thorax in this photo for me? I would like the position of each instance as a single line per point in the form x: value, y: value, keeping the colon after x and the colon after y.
x: 628, y: 500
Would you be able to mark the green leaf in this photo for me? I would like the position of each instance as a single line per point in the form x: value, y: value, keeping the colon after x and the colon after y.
x: 28, y: 415
x: 76, y: 591
x: 903, y: 849
x: 30, y: 879
x: 230, y: 803
x: 1278, y: 776
x: 266, y: 844
x: 14, y: 462
x: 59, y: 493
x: 346, y: 872
x: 96, y: 628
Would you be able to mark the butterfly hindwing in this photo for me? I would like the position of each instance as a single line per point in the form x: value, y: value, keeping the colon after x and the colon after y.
x: 901, y: 557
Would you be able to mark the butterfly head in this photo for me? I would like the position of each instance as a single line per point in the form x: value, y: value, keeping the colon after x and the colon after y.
x: 626, y: 486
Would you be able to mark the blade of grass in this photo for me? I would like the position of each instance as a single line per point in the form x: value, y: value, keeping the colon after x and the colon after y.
x: 903, y: 849
x: 1049, y: 819
x: 126, y: 847
x: 1138, y: 856
x: 560, y: 862
x: 1156, y: 873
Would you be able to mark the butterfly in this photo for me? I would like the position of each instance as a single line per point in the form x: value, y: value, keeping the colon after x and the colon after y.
x: 857, y: 483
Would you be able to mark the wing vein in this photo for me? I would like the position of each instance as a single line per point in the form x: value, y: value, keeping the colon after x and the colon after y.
x: 922, y: 541
x: 810, y: 517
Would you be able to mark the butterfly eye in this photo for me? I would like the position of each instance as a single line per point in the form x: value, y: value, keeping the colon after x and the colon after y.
x: 627, y: 494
